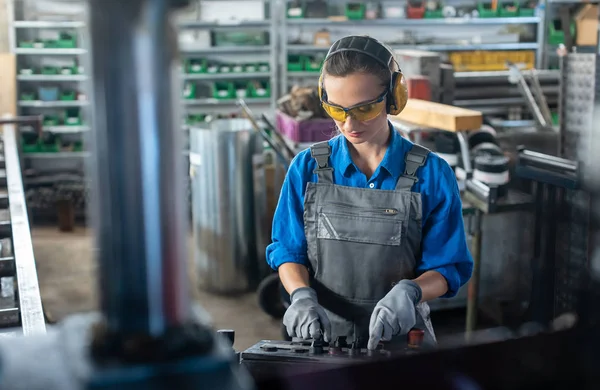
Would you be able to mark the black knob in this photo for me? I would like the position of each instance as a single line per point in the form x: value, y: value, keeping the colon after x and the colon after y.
x: 316, y: 347
x: 228, y: 333
x: 340, y: 342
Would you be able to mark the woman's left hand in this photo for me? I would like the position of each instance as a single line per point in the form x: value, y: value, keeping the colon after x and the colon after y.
x: 395, y: 313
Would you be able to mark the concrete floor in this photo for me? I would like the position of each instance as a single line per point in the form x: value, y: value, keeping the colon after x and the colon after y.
x: 66, y: 272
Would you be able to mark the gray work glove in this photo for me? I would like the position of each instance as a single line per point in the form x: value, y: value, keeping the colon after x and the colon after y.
x: 305, y: 318
x: 395, y: 313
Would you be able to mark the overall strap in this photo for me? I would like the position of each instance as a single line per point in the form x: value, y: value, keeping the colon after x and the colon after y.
x: 321, y: 152
x: 415, y: 158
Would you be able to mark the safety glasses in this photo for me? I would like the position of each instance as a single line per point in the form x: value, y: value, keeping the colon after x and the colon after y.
x: 361, y: 112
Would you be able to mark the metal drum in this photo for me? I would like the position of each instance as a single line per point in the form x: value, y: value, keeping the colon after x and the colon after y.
x: 222, y: 205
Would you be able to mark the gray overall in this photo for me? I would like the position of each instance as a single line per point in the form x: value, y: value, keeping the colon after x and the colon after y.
x: 361, y: 242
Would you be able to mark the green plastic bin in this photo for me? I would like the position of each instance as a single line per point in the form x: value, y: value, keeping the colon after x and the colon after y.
x: 312, y: 64
x: 195, y: 66
x: 485, y: 10
x: 259, y: 89
x: 189, y: 91
x: 355, y: 11
x: 68, y: 96
x: 511, y: 12
x: 295, y: 63
x: 223, y: 90
x: 556, y: 34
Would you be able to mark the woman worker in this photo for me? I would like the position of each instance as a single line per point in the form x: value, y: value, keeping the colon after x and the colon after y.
x: 369, y: 226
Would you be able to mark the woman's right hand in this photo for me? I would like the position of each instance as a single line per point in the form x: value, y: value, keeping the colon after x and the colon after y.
x: 305, y: 318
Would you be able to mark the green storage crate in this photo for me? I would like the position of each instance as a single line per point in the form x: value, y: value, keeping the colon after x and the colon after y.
x: 38, y: 44
x: 264, y: 67
x: 51, y: 120
x: 189, y: 91
x: 295, y: 63
x: 296, y: 10
x: 223, y: 90
x: 240, y: 89
x: 251, y: 68
x: 556, y: 35
x: 49, y: 70
x: 195, y: 66
x: 486, y: 11
x: 508, y: 9
x: 78, y: 146
x: 312, y: 64
x: 51, y: 44
x: 66, y: 41
x: 26, y: 71
x: 225, y: 68
x: 259, y: 89
x: 237, y: 68
x: 72, y: 117
x: 355, y: 11
x: 435, y: 14
x: 30, y: 146
x: 50, y: 146
x: 26, y: 44
x: 555, y: 118
x: 212, y: 68
x: 524, y: 11
x: 192, y: 119
x: 68, y: 96
x: 28, y: 96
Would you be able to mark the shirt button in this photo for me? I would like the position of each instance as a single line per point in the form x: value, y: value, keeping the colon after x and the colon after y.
x: 372, y: 185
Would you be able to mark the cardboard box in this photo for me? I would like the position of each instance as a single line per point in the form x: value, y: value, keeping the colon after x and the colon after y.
x: 421, y: 63
x: 586, y: 21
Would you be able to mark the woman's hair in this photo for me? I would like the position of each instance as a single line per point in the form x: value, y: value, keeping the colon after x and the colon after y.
x: 346, y: 63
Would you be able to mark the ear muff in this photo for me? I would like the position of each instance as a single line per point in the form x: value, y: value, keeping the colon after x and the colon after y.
x: 321, y: 86
x: 398, y: 94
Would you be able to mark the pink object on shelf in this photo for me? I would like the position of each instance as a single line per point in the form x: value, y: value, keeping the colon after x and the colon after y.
x: 312, y: 130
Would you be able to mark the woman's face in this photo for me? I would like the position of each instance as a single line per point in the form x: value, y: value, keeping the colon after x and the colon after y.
x: 349, y: 91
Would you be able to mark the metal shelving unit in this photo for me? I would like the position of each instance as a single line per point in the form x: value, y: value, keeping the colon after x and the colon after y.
x: 401, y: 24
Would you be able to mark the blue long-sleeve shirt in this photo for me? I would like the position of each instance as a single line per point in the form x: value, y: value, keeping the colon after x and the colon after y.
x: 444, y: 245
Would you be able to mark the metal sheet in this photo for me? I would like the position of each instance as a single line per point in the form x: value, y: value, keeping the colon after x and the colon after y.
x: 30, y: 302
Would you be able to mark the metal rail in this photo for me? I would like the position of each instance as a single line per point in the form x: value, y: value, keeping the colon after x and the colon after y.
x: 26, y: 315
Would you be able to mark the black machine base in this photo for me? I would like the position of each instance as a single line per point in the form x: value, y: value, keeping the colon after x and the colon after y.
x: 269, y: 358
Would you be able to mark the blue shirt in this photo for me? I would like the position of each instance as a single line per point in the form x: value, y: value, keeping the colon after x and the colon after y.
x: 444, y: 244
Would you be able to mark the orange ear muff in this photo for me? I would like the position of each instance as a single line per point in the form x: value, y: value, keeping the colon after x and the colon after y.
x: 321, y: 87
x: 399, y: 94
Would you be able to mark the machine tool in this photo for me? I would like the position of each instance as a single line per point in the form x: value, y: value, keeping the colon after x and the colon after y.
x: 148, y: 334
x: 269, y: 358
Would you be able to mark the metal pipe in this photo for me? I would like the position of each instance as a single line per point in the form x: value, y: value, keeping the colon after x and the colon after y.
x: 137, y: 169
x: 473, y: 286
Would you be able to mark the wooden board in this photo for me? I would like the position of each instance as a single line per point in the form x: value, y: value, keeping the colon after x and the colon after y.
x: 8, y: 84
x: 440, y: 116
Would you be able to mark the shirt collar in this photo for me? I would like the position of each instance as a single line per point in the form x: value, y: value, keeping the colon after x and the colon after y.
x: 393, y: 160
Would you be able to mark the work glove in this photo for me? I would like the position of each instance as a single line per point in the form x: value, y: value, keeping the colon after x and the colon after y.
x: 305, y: 318
x: 394, y: 314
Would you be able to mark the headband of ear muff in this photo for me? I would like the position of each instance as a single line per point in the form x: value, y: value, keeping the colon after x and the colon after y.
x: 398, y: 94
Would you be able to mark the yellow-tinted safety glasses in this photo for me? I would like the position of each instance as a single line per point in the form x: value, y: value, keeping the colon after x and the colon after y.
x: 361, y: 112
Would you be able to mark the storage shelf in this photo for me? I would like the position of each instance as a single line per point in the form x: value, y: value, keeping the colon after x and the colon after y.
x: 433, y: 47
x: 48, y: 77
x: 225, y: 50
x: 57, y: 155
x: 48, y: 24
x: 66, y: 129
x: 215, y: 102
x: 38, y: 103
x: 224, y: 25
x: 414, y: 22
x: 303, y: 74
x: 33, y: 51
x: 542, y: 74
x: 225, y: 76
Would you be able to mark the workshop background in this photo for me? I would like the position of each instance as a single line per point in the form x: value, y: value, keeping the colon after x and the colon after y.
x: 494, y: 58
